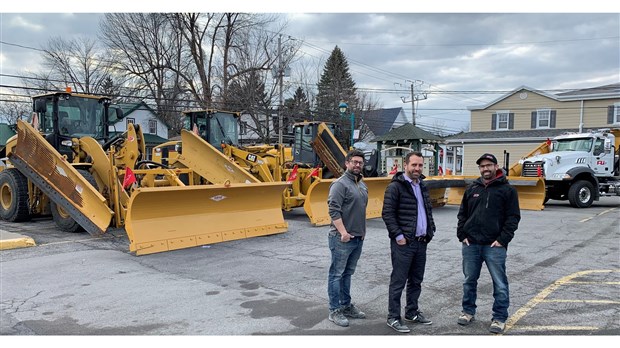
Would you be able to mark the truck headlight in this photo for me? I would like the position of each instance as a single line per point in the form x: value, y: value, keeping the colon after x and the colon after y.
x: 561, y: 176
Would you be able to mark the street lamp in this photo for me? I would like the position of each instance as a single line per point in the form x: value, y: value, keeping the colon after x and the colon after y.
x: 343, y: 107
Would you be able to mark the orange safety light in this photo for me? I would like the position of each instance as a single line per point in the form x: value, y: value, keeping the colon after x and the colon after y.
x: 68, y: 89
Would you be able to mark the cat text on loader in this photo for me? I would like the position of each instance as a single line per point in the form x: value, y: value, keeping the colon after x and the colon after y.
x: 110, y: 184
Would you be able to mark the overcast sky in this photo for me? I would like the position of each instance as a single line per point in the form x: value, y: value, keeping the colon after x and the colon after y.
x: 458, y: 59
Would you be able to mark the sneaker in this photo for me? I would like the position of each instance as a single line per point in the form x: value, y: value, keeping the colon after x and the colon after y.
x: 419, y: 319
x: 497, y: 326
x: 465, y: 319
x: 338, y: 318
x: 397, y: 325
x: 353, y: 312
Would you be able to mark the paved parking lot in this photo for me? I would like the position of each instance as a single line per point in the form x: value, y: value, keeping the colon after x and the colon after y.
x: 563, y: 267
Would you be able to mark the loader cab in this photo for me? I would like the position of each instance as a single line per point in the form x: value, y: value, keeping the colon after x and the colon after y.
x: 304, y: 133
x: 64, y: 116
x: 214, y: 126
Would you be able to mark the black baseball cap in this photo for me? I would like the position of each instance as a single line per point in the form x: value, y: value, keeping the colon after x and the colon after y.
x: 487, y: 156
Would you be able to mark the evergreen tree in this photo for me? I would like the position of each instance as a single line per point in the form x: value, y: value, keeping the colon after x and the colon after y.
x: 336, y: 85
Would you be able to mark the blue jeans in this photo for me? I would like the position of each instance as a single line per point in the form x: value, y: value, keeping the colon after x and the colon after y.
x: 344, y: 260
x: 495, y: 258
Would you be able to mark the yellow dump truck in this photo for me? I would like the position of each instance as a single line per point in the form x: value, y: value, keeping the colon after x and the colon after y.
x: 88, y: 181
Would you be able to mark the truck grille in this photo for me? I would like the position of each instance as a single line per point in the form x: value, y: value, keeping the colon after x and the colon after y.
x: 533, y: 169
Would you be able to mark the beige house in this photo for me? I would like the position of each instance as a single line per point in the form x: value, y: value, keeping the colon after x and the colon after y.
x: 519, y: 121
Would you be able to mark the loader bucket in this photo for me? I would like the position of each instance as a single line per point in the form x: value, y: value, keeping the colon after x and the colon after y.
x: 209, y: 162
x: 531, y: 191
x: 61, y: 182
x: 169, y: 218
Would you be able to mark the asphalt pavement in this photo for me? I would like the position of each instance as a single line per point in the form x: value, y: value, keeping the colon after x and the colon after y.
x: 563, y: 266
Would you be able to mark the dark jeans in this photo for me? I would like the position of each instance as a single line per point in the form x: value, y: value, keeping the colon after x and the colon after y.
x: 344, y: 260
x: 495, y: 258
x: 408, y: 263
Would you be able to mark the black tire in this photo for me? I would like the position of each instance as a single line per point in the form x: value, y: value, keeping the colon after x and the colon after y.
x: 546, y: 200
x: 581, y: 194
x: 14, y: 196
x: 62, y: 219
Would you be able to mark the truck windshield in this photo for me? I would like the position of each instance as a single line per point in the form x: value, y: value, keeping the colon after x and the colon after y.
x: 77, y: 117
x: 579, y: 144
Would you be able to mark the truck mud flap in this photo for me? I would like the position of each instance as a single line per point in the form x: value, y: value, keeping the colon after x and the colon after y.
x: 531, y: 191
x: 170, y: 218
x: 59, y: 180
x: 209, y: 162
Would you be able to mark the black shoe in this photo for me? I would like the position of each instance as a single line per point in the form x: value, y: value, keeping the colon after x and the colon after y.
x: 397, y: 325
x: 419, y: 319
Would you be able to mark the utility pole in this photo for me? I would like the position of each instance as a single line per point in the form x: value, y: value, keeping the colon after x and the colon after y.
x: 415, y: 97
x: 280, y: 76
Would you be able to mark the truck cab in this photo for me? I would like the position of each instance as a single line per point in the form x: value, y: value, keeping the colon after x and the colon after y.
x: 580, y: 167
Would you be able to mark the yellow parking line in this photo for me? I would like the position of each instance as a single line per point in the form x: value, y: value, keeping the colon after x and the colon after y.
x: 599, y: 214
x: 519, y: 314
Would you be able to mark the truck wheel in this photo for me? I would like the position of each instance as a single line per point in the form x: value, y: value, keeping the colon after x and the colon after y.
x: 63, y: 220
x: 581, y: 194
x: 13, y: 196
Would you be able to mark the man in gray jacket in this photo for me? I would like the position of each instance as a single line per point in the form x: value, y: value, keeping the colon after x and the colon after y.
x: 347, y: 200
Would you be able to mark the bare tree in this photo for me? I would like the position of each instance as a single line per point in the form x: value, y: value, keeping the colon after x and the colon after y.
x: 147, y: 50
x: 13, y: 108
x: 77, y: 63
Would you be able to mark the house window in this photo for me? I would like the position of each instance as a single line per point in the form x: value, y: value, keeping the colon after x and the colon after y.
x: 616, y: 113
x: 543, y: 118
x: 152, y: 126
x: 243, y: 128
x: 502, y: 120
x: 130, y: 120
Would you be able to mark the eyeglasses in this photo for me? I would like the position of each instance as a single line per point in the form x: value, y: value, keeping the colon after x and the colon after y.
x: 490, y: 165
x: 356, y: 163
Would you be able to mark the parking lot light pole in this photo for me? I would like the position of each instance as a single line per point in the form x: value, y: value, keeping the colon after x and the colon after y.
x: 343, y: 107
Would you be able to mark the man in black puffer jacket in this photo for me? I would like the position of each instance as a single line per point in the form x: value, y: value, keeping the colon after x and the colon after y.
x: 487, y: 220
x: 408, y: 216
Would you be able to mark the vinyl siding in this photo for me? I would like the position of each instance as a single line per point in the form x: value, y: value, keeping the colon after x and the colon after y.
x: 567, y: 112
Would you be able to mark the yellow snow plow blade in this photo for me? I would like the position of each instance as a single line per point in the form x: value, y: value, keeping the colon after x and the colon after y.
x: 169, y: 218
x: 61, y: 182
x: 317, y: 210
x: 316, y: 207
x: 209, y: 162
x: 531, y: 191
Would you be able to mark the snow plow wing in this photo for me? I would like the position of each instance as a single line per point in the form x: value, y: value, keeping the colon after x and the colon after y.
x: 317, y: 210
x: 169, y: 218
x: 61, y: 182
x: 531, y: 191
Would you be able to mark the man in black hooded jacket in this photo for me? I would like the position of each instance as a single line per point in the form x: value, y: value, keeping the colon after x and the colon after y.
x: 487, y: 220
x: 408, y: 216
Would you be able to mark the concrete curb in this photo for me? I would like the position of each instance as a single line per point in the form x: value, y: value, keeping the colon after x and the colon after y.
x: 9, y: 240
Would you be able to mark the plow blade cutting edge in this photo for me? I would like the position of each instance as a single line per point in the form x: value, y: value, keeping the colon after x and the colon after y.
x: 169, y: 218
x: 531, y: 191
x: 61, y: 182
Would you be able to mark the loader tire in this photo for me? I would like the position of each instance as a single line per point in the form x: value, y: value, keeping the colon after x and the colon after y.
x: 63, y: 220
x: 581, y: 194
x: 14, y: 196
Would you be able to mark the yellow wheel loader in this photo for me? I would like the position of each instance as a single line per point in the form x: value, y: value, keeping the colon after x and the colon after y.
x: 96, y: 183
